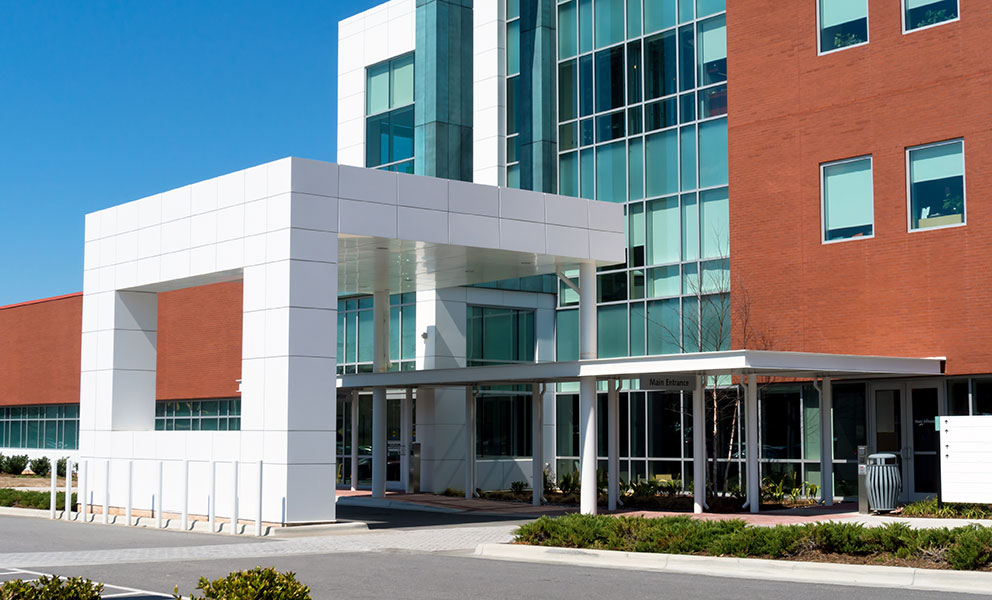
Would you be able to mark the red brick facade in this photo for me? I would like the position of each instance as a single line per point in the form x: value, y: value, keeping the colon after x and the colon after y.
x: 39, y: 351
x: 924, y: 293
x: 199, y: 346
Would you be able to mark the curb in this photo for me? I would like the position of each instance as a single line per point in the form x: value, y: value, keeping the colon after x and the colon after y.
x: 366, y: 502
x: 749, y: 568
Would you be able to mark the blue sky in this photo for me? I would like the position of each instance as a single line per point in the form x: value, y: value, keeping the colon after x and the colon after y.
x: 106, y: 102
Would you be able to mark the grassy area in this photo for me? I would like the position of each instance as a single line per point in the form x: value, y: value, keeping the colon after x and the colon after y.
x: 966, y: 548
x: 42, y: 500
x: 929, y: 508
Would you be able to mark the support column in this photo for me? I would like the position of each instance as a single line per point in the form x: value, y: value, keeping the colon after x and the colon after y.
x: 827, y: 442
x: 752, y: 445
x: 354, y: 441
x: 587, y: 389
x: 613, y: 443
x: 380, y: 338
x: 469, y: 442
x: 537, y: 443
x: 698, y: 447
x: 406, y: 438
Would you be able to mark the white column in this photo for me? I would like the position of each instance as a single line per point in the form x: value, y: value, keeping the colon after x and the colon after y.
x: 54, y: 493
x: 234, y: 498
x: 613, y: 443
x: 84, y: 476
x: 258, y: 508
x: 106, y: 491
x: 354, y: 441
x: 185, y: 515
x: 827, y: 442
x: 380, y: 337
x: 752, y: 445
x: 130, y: 490
x: 698, y: 447
x: 406, y: 438
x: 212, y: 508
x: 587, y: 389
x: 158, y: 497
x: 537, y: 443
x: 469, y: 442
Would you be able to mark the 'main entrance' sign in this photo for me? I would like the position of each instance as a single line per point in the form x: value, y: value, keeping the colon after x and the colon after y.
x: 668, y: 383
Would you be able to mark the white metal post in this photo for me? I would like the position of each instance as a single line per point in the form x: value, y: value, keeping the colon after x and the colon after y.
x: 613, y: 443
x: 84, y: 476
x: 752, y: 445
x: 185, y: 519
x: 68, y: 489
x: 827, y: 442
x: 587, y: 390
x: 698, y: 447
x: 406, y: 438
x: 130, y: 485
x: 55, y: 487
x: 106, y: 492
x: 354, y: 441
x: 258, y: 512
x: 234, y: 499
x: 537, y: 443
x: 469, y: 442
x: 158, y: 497
x: 212, y: 499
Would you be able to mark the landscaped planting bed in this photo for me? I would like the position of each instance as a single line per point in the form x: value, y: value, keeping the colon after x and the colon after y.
x: 25, y: 499
x: 966, y: 548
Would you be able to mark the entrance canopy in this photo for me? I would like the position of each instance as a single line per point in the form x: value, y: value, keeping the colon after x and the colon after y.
x: 731, y: 362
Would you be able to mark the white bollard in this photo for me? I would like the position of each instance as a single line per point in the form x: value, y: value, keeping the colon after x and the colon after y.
x: 68, y: 489
x: 84, y: 474
x: 130, y: 483
x: 158, y: 497
x: 185, y: 521
x: 55, y: 487
x: 106, y: 492
x: 258, y: 514
x: 234, y: 502
x: 212, y: 498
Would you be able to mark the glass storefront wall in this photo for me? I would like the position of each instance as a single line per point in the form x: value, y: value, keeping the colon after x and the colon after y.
x: 51, y: 426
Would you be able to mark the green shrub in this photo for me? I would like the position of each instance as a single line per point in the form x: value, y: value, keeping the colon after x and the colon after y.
x: 60, y: 466
x: 41, y: 466
x: 930, y: 508
x: 15, y: 464
x: 51, y: 588
x: 518, y: 487
x: 28, y: 499
x: 569, y: 483
x: 971, y: 549
x: 258, y: 583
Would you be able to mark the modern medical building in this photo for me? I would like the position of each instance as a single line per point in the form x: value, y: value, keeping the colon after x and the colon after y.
x: 651, y: 239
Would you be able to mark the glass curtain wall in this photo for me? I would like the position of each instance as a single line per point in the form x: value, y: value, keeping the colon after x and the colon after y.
x: 355, y: 333
x: 389, y: 115
x: 642, y: 120
x: 52, y: 427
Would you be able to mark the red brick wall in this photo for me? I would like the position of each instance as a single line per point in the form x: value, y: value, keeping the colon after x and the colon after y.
x: 39, y: 351
x: 925, y: 293
x: 199, y: 342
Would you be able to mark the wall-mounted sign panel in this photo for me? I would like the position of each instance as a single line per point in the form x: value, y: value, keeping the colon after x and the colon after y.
x: 966, y: 459
x: 668, y: 383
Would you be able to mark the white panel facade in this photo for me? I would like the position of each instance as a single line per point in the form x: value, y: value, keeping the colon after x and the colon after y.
x: 966, y: 459
x: 489, y: 92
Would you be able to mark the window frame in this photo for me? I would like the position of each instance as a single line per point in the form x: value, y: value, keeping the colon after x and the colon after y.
x: 902, y: 7
x: 823, y: 199
x: 909, y: 187
x: 386, y: 166
x: 819, y: 49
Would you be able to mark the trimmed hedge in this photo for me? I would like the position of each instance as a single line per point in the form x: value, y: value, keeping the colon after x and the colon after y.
x: 51, y: 588
x: 965, y: 548
x: 25, y: 499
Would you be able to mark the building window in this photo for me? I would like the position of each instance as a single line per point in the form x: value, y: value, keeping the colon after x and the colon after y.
x: 497, y: 335
x: 355, y: 337
x: 198, y: 415
x: 503, y: 425
x: 50, y: 427
x: 848, y: 204
x: 843, y: 23
x: 389, y: 115
x: 918, y: 14
x: 513, y: 91
x: 936, y: 185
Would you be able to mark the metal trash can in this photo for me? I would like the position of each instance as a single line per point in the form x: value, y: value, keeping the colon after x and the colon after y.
x: 884, y: 482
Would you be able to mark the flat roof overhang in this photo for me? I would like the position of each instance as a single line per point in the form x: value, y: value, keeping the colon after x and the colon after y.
x: 730, y: 362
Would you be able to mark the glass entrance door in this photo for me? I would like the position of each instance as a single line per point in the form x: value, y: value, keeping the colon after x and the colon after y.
x: 902, y: 419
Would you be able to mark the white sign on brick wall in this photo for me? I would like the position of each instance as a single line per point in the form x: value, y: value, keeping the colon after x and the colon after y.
x: 966, y: 459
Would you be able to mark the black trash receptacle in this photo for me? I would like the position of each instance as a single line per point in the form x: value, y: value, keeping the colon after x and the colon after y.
x: 883, y: 481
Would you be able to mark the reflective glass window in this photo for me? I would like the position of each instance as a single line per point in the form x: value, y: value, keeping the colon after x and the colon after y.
x: 842, y: 23
x: 660, y: 65
x: 568, y: 102
x: 924, y: 13
x: 609, y: 79
x: 848, y: 206
x: 663, y: 239
x: 709, y: 7
x: 611, y: 171
x: 661, y: 153
x: 714, y: 223
x: 659, y: 14
x: 609, y: 22
x: 936, y: 185
x: 713, y: 153
x: 712, y: 50
x: 611, y: 334
x: 567, y: 42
